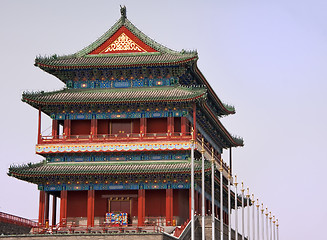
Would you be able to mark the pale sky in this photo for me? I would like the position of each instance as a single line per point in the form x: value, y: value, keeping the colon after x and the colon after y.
x: 267, y: 58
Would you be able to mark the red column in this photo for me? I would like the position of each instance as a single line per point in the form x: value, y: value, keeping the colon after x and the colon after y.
x: 94, y: 127
x: 169, y: 207
x: 90, y: 208
x: 55, y: 128
x: 141, y: 207
x: 41, y: 208
x: 170, y: 125
x: 46, y: 210
x: 143, y: 126
x: 63, y: 207
x: 54, y: 210
x: 67, y: 124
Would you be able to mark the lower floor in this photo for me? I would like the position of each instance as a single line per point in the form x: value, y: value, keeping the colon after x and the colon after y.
x: 164, y: 207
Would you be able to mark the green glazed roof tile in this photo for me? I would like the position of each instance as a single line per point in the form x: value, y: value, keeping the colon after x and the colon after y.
x: 114, y: 95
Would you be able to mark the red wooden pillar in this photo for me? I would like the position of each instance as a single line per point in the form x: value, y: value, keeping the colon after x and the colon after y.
x: 143, y: 125
x: 55, y: 128
x: 67, y: 125
x: 90, y: 208
x: 54, y: 210
x: 46, y: 210
x: 39, y: 137
x: 141, y: 207
x: 170, y: 125
x: 41, y: 208
x: 94, y: 127
x: 63, y: 207
x: 183, y: 125
x: 169, y: 207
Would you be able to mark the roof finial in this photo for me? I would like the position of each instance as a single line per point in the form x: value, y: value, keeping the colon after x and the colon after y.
x: 123, y: 12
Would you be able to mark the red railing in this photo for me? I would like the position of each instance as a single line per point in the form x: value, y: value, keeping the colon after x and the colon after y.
x: 121, y: 137
x: 5, y: 217
x: 179, y: 230
x: 101, y: 228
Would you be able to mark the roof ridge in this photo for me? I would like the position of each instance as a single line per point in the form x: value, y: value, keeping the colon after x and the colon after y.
x: 71, y: 90
x: 111, y: 31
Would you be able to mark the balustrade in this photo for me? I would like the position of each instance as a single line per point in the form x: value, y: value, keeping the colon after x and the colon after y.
x: 119, y: 137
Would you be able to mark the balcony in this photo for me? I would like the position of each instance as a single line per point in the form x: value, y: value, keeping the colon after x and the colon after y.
x: 115, y: 138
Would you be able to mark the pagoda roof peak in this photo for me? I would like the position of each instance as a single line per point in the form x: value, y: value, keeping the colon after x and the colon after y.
x: 141, y: 42
x: 123, y: 40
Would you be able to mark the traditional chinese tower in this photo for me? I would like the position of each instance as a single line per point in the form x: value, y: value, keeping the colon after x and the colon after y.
x: 121, y: 132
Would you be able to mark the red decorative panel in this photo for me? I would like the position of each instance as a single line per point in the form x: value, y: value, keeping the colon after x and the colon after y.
x: 122, y: 41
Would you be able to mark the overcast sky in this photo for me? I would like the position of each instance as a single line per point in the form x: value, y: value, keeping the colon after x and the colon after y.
x: 267, y: 58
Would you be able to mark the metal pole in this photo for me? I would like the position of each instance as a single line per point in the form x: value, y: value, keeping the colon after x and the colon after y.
x: 230, y: 160
x: 236, y: 219
x: 212, y: 195
x: 274, y: 228
x: 192, y: 186
x: 258, y: 227
x: 267, y: 230
x: 248, y: 205
x: 242, y: 211
x: 270, y: 225
x: 229, y: 207
x: 202, y: 195
x: 262, y: 222
x: 221, y: 201
x: 253, y: 218
x: 277, y: 229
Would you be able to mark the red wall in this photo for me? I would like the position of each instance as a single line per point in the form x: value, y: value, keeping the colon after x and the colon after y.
x: 155, y: 203
x: 177, y: 124
x: 80, y: 127
x: 157, y: 125
x: 181, y: 201
x: 136, y: 125
x: 103, y: 126
x: 76, y: 203
x: 121, y: 126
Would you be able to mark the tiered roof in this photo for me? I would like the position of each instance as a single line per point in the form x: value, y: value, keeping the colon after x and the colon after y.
x: 115, y: 95
x: 30, y: 171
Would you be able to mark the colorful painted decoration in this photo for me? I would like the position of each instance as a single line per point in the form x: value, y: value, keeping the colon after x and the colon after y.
x: 123, y: 43
x: 117, y: 219
x: 61, y: 148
